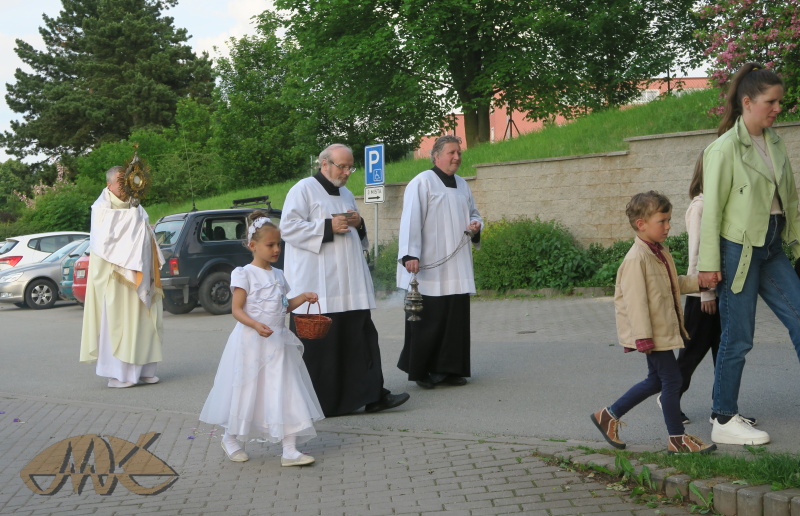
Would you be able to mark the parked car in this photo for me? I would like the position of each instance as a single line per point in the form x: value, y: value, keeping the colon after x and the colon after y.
x: 201, y: 249
x: 25, y: 249
x: 79, y: 277
x: 35, y: 285
x: 67, y: 269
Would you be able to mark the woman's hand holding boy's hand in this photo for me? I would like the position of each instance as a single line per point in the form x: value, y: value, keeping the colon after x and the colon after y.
x: 709, y: 279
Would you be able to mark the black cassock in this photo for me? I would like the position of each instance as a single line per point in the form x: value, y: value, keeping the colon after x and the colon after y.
x: 345, y: 366
x: 440, y: 342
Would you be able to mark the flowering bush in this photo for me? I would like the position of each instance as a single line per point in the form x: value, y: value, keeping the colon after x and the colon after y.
x: 41, y: 189
x: 764, y: 31
x: 64, y: 206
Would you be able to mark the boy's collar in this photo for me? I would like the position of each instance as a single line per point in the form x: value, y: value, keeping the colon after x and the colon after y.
x: 654, y: 246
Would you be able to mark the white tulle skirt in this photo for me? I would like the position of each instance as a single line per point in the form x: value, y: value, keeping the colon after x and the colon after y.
x: 262, y: 388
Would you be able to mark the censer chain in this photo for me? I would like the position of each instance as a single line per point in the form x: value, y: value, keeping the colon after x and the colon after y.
x: 464, y: 241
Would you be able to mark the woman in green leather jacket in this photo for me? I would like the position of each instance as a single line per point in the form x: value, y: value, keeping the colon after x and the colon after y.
x: 750, y: 209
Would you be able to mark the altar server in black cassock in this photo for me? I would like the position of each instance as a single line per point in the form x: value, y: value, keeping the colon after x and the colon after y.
x: 326, y: 249
x: 438, y: 208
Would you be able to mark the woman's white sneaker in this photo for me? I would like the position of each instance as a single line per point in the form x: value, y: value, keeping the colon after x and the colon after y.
x: 737, y: 431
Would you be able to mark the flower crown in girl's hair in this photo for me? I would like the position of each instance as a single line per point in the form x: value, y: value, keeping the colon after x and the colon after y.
x: 251, y: 231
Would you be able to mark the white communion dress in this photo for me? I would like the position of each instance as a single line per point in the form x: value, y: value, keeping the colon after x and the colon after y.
x: 262, y: 388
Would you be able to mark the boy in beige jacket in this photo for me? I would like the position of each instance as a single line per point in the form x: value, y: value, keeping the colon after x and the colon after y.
x: 649, y: 319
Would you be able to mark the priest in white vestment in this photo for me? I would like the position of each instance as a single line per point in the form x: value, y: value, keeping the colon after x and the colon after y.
x: 325, y: 241
x: 122, y: 326
x: 438, y: 208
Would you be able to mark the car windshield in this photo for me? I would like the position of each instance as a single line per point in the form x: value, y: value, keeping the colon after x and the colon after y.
x: 7, y: 246
x: 58, y: 255
x: 82, y: 247
x: 167, y: 231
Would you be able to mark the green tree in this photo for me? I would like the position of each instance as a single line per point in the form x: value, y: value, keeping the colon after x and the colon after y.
x: 254, y: 129
x: 613, y: 46
x: 438, y: 55
x: 110, y: 67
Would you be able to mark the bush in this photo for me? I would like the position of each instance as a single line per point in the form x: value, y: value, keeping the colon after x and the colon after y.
x: 65, y: 209
x: 609, y: 259
x: 529, y: 254
x: 384, y: 272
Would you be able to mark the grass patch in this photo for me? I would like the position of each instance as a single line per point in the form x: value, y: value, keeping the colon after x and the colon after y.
x: 597, y: 132
x: 758, y: 467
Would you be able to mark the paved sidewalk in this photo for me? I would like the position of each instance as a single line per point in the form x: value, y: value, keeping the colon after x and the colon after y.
x: 540, y: 367
x: 358, y: 472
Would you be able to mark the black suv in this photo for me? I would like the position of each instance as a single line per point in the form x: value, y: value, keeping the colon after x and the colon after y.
x: 201, y: 249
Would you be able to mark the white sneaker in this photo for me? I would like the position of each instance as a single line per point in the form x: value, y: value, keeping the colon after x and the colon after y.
x: 737, y: 431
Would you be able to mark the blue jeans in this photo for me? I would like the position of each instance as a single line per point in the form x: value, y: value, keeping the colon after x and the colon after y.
x: 664, y: 376
x: 772, y: 277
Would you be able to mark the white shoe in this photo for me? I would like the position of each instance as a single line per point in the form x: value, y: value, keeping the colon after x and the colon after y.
x: 749, y: 420
x: 149, y: 379
x: 116, y: 384
x: 737, y: 431
x: 302, y: 460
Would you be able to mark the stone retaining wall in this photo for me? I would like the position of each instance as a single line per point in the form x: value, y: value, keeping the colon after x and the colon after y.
x: 586, y: 193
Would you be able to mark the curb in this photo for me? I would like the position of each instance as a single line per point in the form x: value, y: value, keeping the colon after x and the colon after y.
x: 730, y: 499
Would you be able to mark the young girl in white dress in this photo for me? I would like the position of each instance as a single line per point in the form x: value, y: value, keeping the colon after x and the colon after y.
x: 262, y: 388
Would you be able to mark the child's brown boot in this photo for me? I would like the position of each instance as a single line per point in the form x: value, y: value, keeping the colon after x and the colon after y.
x: 688, y: 444
x: 609, y: 426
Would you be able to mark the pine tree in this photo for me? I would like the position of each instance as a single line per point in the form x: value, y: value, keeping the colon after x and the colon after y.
x: 110, y: 67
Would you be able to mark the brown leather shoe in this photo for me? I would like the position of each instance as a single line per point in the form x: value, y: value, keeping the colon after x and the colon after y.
x: 609, y: 426
x: 688, y: 444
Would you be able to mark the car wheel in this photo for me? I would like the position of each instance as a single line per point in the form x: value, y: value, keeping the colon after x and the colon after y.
x: 40, y: 294
x: 175, y: 304
x: 215, y: 293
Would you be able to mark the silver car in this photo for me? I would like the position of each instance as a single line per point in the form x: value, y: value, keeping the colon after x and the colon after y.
x: 35, y: 285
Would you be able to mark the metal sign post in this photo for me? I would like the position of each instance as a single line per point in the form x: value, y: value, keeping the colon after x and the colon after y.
x: 373, y: 181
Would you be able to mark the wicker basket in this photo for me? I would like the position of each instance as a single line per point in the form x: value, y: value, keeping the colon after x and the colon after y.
x: 310, y: 326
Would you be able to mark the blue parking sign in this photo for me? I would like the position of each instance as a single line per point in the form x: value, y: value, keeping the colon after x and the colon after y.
x: 373, y: 165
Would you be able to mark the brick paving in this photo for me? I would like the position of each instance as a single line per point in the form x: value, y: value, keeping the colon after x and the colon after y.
x: 358, y: 472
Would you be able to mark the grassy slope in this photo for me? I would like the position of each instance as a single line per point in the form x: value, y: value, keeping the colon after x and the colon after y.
x: 598, y: 132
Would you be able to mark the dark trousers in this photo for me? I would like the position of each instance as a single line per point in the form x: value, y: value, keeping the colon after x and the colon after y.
x: 663, y: 376
x: 704, y: 332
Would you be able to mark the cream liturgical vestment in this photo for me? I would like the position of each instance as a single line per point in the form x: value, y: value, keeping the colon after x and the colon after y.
x: 122, y: 320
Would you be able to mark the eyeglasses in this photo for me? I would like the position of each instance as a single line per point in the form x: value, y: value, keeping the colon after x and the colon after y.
x: 347, y: 168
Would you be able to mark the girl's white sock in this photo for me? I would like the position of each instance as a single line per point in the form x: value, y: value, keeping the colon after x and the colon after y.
x: 230, y: 442
x: 289, y: 449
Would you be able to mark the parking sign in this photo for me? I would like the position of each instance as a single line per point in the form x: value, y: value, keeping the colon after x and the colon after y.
x: 373, y: 165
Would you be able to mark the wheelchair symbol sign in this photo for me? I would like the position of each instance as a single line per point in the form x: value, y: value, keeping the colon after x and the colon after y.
x: 373, y: 159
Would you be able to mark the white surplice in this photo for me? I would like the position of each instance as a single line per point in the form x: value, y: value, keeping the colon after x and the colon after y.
x: 336, y: 270
x: 431, y: 227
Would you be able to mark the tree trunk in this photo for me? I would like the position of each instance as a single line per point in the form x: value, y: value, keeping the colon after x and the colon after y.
x: 476, y: 125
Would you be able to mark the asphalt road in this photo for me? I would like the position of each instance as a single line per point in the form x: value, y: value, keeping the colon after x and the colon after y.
x: 539, y: 368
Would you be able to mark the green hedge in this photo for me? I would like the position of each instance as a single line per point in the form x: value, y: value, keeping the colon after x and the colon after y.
x: 535, y: 254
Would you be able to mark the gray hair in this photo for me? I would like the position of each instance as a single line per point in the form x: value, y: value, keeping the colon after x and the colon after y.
x: 326, y: 153
x: 439, y: 144
x: 111, y: 173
